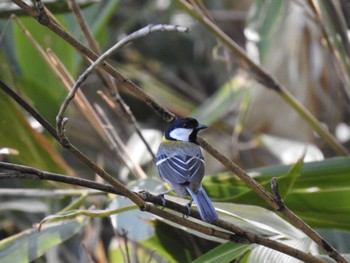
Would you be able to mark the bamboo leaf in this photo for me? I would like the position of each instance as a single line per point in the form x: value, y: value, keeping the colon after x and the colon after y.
x: 224, y: 253
x: 31, y: 244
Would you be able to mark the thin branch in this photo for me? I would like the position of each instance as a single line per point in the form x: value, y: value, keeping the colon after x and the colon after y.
x: 262, y: 76
x: 341, y: 64
x: 107, y: 78
x: 119, y: 144
x: 106, y: 176
x: 167, y: 115
x: 240, y: 236
x: 61, y: 121
x: 267, y: 80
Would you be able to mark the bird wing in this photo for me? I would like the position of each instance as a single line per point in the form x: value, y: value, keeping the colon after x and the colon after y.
x: 181, y: 170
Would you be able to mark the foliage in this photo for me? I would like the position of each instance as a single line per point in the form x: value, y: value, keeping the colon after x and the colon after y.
x: 189, y: 74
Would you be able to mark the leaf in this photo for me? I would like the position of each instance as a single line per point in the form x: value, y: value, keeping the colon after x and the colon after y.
x: 135, y: 223
x: 25, y: 205
x: 257, y: 219
x: 229, y: 96
x: 176, y: 244
x: 286, y: 185
x: 224, y: 253
x: 101, y: 18
x: 37, y: 80
x: 32, y: 147
x: 319, y: 195
x: 31, y: 244
x: 262, y: 254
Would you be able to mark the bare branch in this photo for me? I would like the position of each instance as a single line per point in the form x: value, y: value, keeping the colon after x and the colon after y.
x: 107, y: 78
x: 61, y: 121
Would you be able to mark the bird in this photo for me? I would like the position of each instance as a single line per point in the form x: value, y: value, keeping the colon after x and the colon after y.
x: 181, y: 164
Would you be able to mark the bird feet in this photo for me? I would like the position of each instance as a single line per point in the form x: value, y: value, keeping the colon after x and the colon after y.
x: 189, y: 209
x: 161, y: 196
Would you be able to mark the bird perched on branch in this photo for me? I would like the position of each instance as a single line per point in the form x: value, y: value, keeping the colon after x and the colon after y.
x: 181, y: 164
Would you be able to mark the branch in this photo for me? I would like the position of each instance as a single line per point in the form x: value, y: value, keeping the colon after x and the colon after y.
x: 61, y: 121
x: 106, y: 176
x: 167, y: 115
x: 262, y: 76
x: 240, y: 236
x: 107, y: 78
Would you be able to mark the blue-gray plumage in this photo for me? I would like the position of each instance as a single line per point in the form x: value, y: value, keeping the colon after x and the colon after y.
x: 181, y: 164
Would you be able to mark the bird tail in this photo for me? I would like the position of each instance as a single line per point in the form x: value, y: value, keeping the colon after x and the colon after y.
x: 205, y: 207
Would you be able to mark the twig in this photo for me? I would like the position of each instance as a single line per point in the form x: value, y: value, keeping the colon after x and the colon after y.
x: 241, y: 235
x: 106, y: 176
x: 282, y: 208
x: 108, y: 79
x: 167, y: 115
x: 61, y: 121
x: 117, y: 143
x: 341, y: 65
x: 262, y: 76
x: 124, y: 236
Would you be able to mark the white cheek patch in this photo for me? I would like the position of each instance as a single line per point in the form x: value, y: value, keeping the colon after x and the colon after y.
x: 181, y: 134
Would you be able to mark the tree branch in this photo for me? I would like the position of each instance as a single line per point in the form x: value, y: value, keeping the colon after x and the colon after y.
x: 240, y: 235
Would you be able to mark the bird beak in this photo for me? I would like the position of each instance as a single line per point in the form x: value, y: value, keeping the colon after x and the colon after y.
x: 201, y: 127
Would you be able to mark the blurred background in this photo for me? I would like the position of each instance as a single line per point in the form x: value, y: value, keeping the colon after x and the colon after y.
x: 304, y: 45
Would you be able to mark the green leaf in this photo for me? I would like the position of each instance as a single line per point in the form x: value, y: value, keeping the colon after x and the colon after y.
x: 227, y: 97
x: 263, y: 20
x: 31, y: 244
x: 34, y: 149
x: 224, y: 253
x: 287, y: 182
x: 176, y: 244
x: 318, y: 195
x: 101, y: 19
x: 37, y: 80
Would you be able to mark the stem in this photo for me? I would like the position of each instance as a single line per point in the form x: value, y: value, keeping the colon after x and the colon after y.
x: 262, y: 76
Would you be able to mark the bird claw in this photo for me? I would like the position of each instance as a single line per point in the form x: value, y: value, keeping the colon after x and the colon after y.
x: 161, y: 196
x: 189, y: 209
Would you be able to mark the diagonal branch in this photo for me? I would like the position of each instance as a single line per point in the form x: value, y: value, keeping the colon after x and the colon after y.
x: 262, y: 76
x: 106, y: 176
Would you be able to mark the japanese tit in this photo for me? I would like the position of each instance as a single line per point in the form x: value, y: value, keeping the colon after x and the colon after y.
x: 181, y: 164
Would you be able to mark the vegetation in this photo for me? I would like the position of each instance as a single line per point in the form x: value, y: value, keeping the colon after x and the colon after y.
x: 86, y: 91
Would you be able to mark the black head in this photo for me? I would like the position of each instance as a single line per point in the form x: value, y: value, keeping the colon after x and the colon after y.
x: 183, y: 129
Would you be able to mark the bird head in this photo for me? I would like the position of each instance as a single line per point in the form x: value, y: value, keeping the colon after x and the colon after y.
x: 183, y: 129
